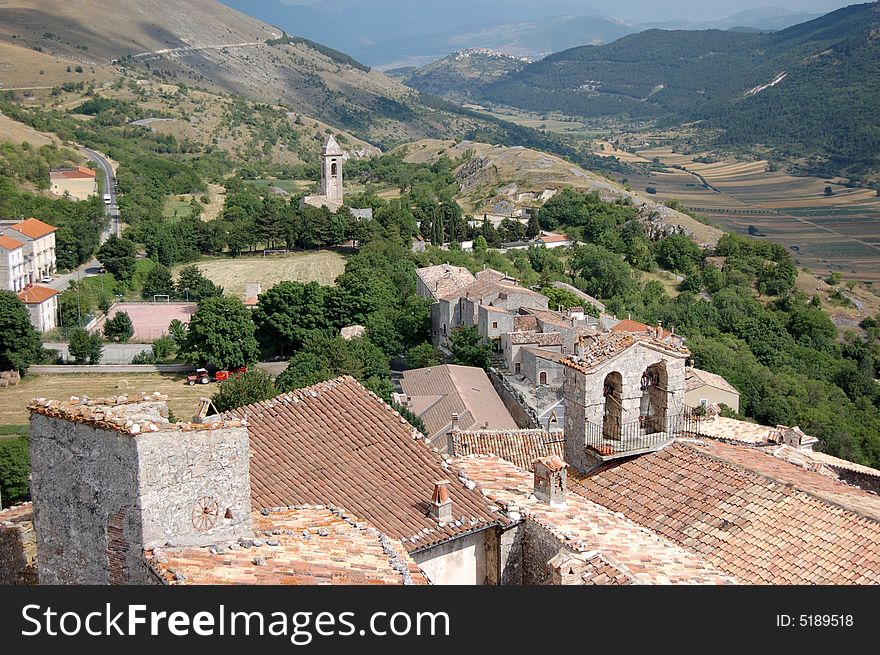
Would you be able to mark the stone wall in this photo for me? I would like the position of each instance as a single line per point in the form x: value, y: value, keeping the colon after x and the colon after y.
x: 523, y: 415
x: 179, y: 470
x: 539, y: 546
x: 18, y: 548
x: 100, y: 495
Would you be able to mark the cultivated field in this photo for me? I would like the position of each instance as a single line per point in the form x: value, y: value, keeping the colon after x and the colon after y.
x: 323, y: 266
x: 837, y: 232
x: 182, y: 399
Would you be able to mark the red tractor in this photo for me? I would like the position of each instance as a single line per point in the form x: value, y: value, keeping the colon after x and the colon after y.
x: 201, y: 376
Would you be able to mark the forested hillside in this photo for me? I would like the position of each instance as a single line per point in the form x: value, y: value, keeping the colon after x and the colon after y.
x: 808, y: 91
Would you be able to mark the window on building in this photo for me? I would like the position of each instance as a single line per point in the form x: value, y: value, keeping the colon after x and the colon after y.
x: 494, y: 325
x: 333, y: 169
x: 542, y: 378
x: 704, y: 402
x: 516, y: 368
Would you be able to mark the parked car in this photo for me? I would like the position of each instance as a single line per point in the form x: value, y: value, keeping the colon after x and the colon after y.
x: 107, y: 198
x: 46, y: 279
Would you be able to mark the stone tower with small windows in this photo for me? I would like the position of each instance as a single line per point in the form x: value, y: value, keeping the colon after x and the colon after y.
x: 331, y: 171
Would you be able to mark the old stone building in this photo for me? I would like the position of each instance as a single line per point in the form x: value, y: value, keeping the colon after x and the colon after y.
x: 703, y: 388
x: 112, y: 478
x: 122, y: 495
x: 332, y: 193
x: 451, y: 395
x: 624, y: 394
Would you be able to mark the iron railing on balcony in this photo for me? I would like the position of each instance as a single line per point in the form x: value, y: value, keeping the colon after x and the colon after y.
x: 616, y: 439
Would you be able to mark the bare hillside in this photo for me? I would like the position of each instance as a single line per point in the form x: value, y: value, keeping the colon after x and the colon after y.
x: 207, y: 44
x: 515, y: 175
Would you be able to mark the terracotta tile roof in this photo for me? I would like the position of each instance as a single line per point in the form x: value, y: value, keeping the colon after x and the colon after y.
x: 629, y: 325
x: 582, y: 526
x: 78, y: 173
x: 8, y: 243
x: 731, y: 429
x: 22, y: 513
x: 519, y: 447
x: 33, y: 228
x: 754, y: 516
x: 537, y: 338
x: 444, y: 279
x: 525, y: 323
x: 596, y: 350
x: 554, y: 238
x: 438, y: 392
x: 549, y: 355
x: 36, y: 294
x: 309, y: 545
x: 337, y: 443
x: 696, y: 378
x: 838, y: 463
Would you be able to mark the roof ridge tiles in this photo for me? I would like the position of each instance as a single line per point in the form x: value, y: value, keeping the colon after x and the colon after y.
x: 692, y: 445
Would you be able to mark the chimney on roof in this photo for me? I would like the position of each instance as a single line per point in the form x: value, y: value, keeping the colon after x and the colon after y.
x: 441, y: 503
x: 455, y: 426
x: 551, y: 480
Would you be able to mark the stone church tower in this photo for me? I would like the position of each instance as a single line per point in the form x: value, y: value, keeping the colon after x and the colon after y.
x: 331, y: 171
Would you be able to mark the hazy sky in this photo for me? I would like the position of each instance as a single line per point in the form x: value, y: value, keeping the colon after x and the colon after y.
x: 644, y: 10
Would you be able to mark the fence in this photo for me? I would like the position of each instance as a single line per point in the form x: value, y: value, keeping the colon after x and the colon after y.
x: 616, y: 439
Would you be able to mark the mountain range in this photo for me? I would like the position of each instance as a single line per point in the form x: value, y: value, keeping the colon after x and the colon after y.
x: 809, y: 91
x: 209, y: 45
x: 395, y: 33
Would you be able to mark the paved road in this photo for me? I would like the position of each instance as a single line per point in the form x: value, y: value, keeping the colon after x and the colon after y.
x: 93, y: 267
x: 112, y: 209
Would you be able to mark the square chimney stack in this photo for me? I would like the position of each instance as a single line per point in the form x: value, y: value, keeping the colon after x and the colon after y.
x: 441, y: 503
x: 551, y: 480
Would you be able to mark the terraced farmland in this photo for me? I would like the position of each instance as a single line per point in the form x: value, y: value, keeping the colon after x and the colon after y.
x: 837, y: 232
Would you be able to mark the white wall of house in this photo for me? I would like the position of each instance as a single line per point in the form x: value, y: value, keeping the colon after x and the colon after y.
x: 460, y: 561
x: 12, y: 271
x: 706, y: 395
x: 44, y: 315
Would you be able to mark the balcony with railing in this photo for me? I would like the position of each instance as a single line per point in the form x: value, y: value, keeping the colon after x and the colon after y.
x: 614, y: 439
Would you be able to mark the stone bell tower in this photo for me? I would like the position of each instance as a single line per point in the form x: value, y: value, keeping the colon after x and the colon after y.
x: 331, y: 171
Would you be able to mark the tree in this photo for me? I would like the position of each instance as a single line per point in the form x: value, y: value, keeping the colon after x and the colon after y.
x: 118, y: 257
x: 467, y: 350
x: 244, y: 389
x: 678, y: 253
x: 600, y: 272
x: 20, y: 344
x: 85, y: 347
x: 177, y: 331
x: 303, y: 370
x: 158, y: 282
x: 193, y: 285
x: 288, y: 312
x: 829, y: 191
x: 422, y: 356
x: 221, y: 334
x: 534, y: 227
x: 119, y: 327
x: 15, y: 467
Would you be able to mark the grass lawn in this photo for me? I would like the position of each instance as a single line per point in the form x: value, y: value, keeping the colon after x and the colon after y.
x: 182, y: 399
x: 175, y: 209
x: 322, y: 266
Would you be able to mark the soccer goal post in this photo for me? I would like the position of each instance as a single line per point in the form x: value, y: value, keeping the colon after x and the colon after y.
x: 161, y: 296
x: 269, y: 252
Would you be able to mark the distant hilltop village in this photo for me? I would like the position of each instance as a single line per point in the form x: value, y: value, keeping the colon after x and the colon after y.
x: 623, y: 481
